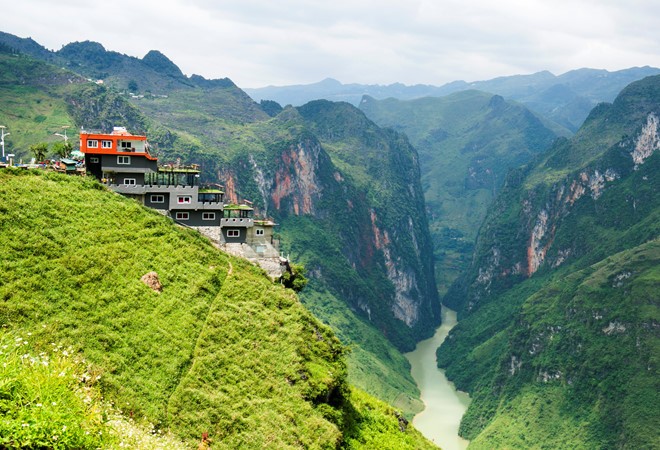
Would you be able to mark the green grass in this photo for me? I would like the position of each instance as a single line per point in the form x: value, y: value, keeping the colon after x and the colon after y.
x: 221, y: 350
x: 43, y: 400
x: 374, y: 365
x: 50, y: 398
x: 371, y: 415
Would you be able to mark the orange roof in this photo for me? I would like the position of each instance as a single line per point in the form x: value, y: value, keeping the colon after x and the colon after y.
x: 118, y: 134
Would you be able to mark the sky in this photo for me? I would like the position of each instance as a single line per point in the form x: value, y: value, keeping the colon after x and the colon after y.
x: 282, y: 42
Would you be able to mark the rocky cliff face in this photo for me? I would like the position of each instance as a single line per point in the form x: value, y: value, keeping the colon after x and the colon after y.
x: 531, y: 227
x: 467, y: 142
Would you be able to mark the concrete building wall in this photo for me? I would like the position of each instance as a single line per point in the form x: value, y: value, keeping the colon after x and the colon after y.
x: 111, y: 163
x: 152, y: 200
x: 232, y: 239
x: 196, y: 218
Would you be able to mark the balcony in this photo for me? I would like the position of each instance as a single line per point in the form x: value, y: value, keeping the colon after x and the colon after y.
x: 237, y: 222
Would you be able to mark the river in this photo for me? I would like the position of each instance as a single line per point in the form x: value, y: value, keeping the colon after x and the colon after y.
x: 444, y: 404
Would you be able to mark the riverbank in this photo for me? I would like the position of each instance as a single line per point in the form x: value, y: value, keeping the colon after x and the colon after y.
x: 445, y: 405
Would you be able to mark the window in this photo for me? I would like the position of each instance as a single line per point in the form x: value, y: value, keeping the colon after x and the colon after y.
x: 182, y: 216
x: 92, y: 143
x: 106, y: 144
x: 123, y: 159
x: 208, y: 216
x: 93, y: 160
x: 184, y: 199
x: 127, y: 146
x: 130, y: 181
x: 157, y: 199
x: 259, y: 232
x: 233, y: 233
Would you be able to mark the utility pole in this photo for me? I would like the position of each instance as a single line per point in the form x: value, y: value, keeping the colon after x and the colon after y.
x: 64, y: 127
x: 2, y: 140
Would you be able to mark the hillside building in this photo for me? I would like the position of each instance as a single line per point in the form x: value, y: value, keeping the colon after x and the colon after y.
x: 123, y: 162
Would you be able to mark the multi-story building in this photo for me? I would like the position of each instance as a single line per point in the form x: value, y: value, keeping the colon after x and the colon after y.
x: 122, y: 161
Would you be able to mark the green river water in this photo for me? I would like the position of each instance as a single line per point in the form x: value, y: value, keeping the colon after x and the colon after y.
x: 444, y: 404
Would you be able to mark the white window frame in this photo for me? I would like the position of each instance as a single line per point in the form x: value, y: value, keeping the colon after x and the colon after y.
x: 93, y: 160
x: 259, y: 231
x: 106, y: 144
x: 126, y: 146
x: 208, y: 216
x: 130, y: 181
x: 157, y: 198
x: 125, y: 160
x: 182, y: 216
x: 184, y: 199
x: 92, y: 143
x: 233, y: 233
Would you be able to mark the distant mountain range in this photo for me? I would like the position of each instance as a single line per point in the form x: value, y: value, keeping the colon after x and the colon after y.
x: 566, y: 99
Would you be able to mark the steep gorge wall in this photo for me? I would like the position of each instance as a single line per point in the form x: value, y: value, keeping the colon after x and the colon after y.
x: 560, y: 315
x: 370, y: 241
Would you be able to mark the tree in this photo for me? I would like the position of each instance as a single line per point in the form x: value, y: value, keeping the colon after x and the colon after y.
x: 39, y: 151
x: 294, y: 277
x: 132, y: 86
x: 62, y: 149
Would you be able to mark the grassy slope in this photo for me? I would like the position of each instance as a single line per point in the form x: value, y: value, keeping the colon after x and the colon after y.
x: 229, y: 354
x: 32, y: 111
x: 374, y: 364
x: 604, y: 392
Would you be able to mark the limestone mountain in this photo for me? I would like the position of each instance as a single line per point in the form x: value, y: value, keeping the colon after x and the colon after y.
x: 466, y: 141
x: 559, y: 338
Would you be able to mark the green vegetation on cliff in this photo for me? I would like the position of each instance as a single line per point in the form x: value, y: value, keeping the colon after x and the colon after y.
x: 558, y: 342
x: 216, y: 349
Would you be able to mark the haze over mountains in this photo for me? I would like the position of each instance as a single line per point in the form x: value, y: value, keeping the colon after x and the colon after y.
x: 565, y: 99
x: 542, y: 227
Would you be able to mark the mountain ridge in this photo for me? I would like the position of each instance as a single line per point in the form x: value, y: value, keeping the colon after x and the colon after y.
x: 466, y: 141
x: 581, y: 89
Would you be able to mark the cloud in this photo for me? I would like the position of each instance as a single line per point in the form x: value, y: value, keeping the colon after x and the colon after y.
x: 258, y: 42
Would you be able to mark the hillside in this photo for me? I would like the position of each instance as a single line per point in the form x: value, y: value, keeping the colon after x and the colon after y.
x: 376, y: 291
x: 558, y: 341
x: 219, y: 350
x: 466, y: 142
